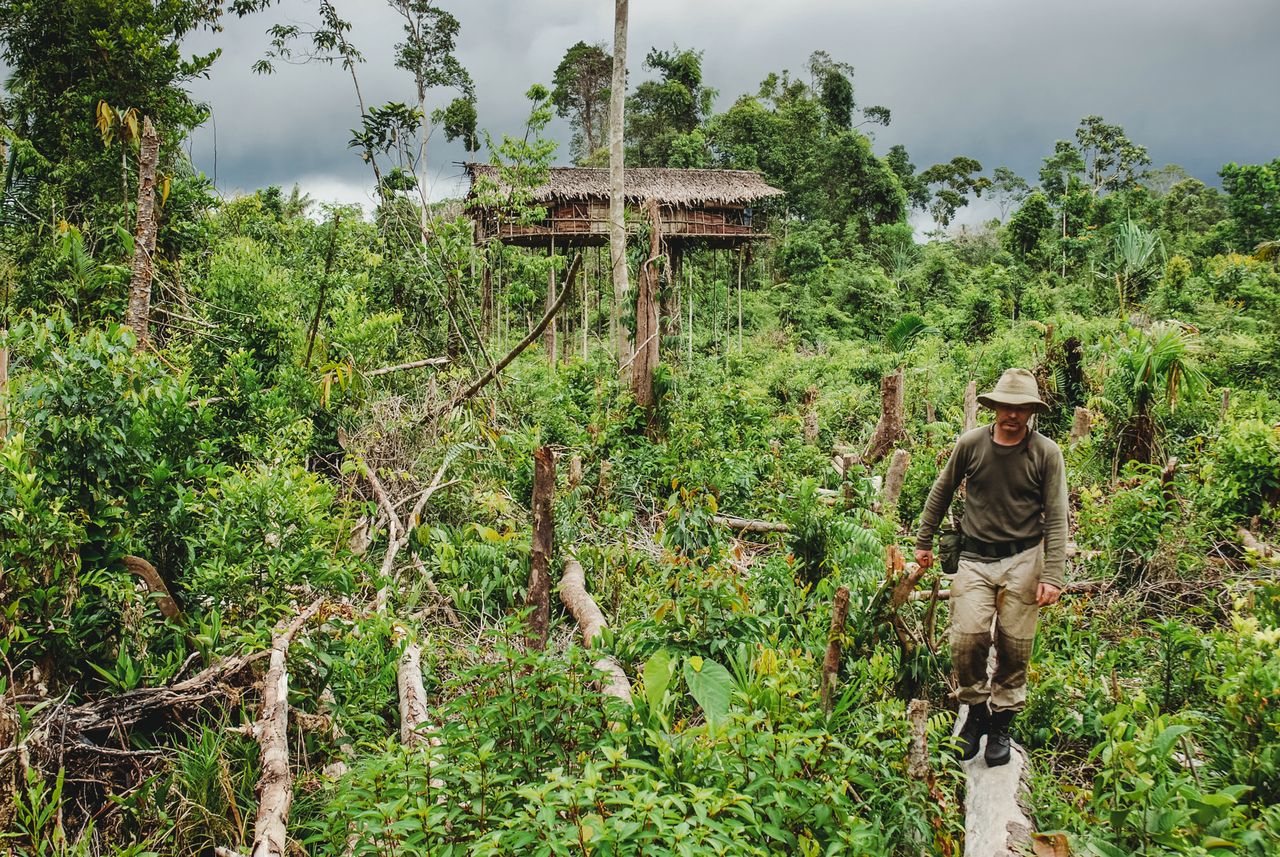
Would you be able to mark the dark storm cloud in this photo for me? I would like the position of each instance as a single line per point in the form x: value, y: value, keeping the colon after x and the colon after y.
x: 998, y: 80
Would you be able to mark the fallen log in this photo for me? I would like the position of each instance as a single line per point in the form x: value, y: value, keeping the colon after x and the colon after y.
x: 1254, y: 544
x: 996, y: 820
x: 750, y: 526
x: 583, y: 608
x: 275, y: 788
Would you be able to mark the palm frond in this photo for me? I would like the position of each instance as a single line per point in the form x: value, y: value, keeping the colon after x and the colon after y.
x: 905, y: 330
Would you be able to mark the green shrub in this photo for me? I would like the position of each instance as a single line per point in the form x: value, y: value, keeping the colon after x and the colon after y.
x: 1243, y: 475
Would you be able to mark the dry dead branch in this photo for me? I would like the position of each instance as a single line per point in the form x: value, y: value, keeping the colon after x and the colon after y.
x: 146, y: 572
x: 484, y: 380
x: 412, y: 364
x: 583, y: 608
x: 1254, y: 544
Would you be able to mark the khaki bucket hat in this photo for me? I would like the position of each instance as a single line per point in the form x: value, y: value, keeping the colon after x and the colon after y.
x: 1015, y: 387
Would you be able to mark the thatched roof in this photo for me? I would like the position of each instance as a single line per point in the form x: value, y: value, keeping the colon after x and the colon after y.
x: 667, y: 186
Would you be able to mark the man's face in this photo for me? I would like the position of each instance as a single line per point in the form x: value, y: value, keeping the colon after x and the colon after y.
x: 1013, y: 419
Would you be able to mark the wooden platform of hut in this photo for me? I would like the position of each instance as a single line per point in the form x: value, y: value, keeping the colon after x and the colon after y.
x: 709, y: 208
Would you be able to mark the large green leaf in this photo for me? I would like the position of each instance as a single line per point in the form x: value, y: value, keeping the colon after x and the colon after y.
x: 658, y: 672
x: 711, y: 686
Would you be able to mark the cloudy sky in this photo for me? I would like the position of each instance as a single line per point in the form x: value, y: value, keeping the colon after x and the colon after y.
x: 998, y: 80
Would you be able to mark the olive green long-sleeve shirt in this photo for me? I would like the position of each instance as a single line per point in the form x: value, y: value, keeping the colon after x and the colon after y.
x: 1013, y: 493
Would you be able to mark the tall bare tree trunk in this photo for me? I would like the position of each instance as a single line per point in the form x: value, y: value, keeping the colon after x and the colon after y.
x: 549, y: 335
x: 648, y: 334
x: 539, y: 596
x: 670, y: 305
x: 617, y: 201
x: 144, y: 235
x: 4, y: 386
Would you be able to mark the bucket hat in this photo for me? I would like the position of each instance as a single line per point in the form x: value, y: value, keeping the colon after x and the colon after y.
x: 1015, y: 387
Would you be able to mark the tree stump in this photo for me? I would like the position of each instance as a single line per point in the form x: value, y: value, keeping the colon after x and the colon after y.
x: 1081, y: 424
x: 892, y: 426
x: 539, y: 594
x: 971, y: 406
x: 835, y: 641
x: 895, y: 477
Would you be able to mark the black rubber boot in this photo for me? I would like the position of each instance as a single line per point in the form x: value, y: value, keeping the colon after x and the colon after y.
x: 975, y: 726
x: 999, y: 746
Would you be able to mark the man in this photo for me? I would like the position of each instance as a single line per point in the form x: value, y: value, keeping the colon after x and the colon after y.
x: 1013, y: 539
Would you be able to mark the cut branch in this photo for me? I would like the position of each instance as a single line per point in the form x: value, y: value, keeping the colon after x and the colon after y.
x: 1083, y: 587
x: 412, y: 364
x: 146, y: 572
x: 483, y: 381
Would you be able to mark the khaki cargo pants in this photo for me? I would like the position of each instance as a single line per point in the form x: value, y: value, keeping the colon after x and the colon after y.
x: 995, y: 603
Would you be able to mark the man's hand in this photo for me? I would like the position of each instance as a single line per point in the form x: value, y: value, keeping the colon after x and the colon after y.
x: 1048, y: 594
x: 924, y: 559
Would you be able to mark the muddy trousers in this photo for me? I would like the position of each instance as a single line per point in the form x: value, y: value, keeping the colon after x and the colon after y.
x: 994, y: 603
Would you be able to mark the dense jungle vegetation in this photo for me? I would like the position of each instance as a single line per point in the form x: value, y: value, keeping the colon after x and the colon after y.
x: 263, y: 454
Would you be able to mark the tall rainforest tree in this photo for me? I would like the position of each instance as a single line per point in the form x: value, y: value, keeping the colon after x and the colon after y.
x: 1253, y: 199
x: 828, y: 171
x: 1111, y: 160
x: 950, y: 185
x: 66, y: 58
x: 664, y: 116
x: 581, y: 95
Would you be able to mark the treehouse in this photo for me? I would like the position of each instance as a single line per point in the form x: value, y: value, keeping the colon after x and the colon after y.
x: 709, y: 208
